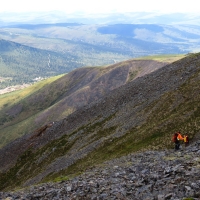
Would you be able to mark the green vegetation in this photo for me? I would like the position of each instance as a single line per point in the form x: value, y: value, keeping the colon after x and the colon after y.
x: 34, y: 162
x: 25, y: 123
x: 132, y: 75
x: 9, y: 99
x: 21, y: 64
x: 164, y: 57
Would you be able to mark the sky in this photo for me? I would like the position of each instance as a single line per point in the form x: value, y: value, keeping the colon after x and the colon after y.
x: 101, y: 6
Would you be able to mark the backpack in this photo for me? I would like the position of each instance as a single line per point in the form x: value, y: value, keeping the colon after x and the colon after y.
x: 186, y: 139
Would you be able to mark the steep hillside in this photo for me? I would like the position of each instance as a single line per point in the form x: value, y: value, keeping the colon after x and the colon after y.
x: 141, y: 114
x: 55, y: 100
x: 23, y: 64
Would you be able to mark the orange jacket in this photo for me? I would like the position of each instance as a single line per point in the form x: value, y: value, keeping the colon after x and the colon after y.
x: 180, y: 137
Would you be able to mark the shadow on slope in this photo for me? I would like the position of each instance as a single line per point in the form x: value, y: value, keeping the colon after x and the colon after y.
x: 57, y: 99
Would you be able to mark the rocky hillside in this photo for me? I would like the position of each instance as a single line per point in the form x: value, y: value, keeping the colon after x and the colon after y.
x: 55, y: 100
x: 149, y: 175
x: 139, y: 115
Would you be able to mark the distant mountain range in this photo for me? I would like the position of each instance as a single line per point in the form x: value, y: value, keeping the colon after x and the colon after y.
x: 115, y: 110
x: 130, y: 40
x: 29, y: 51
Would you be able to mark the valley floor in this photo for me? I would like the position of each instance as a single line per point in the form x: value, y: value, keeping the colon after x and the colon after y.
x: 150, y: 175
x: 13, y: 88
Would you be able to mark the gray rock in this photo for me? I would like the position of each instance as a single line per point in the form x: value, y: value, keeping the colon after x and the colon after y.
x: 161, y: 197
x: 149, y: 177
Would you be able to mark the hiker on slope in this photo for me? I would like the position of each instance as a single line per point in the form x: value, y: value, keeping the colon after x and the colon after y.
x: 176, y: 139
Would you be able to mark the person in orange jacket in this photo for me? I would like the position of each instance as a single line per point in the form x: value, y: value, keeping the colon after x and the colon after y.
x: 176, y: 139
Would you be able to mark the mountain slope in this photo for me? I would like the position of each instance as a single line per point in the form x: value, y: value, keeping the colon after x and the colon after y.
x: 135, y: 176
x: 141, y: 114
x: 55, y: 100
x: 23, y: 64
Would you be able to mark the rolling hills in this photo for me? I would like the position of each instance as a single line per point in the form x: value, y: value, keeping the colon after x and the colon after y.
x: 34, y: 51
x: 139, y: 115
x: 100, y: 44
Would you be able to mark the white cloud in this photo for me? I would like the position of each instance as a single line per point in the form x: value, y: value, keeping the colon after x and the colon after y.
x: 100, y: 6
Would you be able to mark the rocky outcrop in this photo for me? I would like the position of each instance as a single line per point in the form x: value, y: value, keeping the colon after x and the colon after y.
x: 149, y: 175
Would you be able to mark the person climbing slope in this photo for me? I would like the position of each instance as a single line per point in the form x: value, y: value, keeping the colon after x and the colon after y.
x: 176, y: 141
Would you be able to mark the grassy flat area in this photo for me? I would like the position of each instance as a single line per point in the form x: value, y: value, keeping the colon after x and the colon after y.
x: 164, y: 58
x: 14, y: 97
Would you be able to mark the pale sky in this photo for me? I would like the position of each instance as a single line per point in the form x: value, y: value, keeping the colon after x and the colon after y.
x: 101, y: 6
